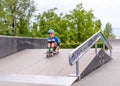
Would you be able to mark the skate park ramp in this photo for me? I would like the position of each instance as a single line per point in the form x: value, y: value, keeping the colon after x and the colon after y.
x: 33, y: 63
x: 28, y: 65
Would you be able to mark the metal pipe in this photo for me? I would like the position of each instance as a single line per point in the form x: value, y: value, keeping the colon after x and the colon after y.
x: 110, y: 53
x: 77, y: 70
x: 103, y: 46
x: 96, y: 48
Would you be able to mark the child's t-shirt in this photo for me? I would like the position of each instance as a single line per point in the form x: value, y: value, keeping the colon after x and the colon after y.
x: 56, y: 39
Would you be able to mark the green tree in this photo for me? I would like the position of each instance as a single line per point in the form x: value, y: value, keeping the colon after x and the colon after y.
x: 3, y: 26
x: 17, y: 15
x: 72, y: 28
x: 50, y: 19
x: 82, y: 24
x: 108, y: 31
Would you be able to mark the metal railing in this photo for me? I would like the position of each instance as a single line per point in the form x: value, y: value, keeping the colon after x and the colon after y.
x: 77, y: 53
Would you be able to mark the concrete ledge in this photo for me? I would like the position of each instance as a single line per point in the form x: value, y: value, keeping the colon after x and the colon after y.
x: 38, y: 79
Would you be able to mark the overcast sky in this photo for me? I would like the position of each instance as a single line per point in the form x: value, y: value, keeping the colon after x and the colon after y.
x: 105, y: 10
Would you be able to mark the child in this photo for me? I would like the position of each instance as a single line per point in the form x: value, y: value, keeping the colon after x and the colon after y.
x: 53, y: 42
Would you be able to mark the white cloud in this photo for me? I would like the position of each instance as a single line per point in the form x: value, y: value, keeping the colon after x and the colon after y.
x: 106, y: 10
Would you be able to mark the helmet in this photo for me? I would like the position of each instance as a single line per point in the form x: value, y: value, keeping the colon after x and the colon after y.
x: 51, y: 31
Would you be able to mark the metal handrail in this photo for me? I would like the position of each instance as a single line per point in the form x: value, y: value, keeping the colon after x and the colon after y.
x: 77, y: 53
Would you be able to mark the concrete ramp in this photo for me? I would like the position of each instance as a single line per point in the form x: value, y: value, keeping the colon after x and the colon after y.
x: 99, y: 60
x: 30, y: 67
x: 26, y: 65
x: 33, y: 62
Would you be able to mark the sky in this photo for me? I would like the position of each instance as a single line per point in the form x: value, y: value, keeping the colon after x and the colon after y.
x: 105, y: 10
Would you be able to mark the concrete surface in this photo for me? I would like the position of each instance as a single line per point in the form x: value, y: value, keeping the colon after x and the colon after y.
x: 34, y: 61
x: 38, y: 79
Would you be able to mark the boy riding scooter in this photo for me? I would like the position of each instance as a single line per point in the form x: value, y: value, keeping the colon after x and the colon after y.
x: 53, y: 42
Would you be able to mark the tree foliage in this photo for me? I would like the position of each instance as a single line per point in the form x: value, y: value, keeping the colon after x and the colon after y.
x: 72, y: 28
x: 16, y: 15
x: 108, y: 31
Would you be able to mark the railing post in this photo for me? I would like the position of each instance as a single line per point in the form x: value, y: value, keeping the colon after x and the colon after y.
x: 96, y: 48
x: 110, y: 53
x: 103, y: 46
x: 77, y: 70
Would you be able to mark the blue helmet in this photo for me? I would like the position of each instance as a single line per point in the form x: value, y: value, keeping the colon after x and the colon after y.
x: 51, y: 31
